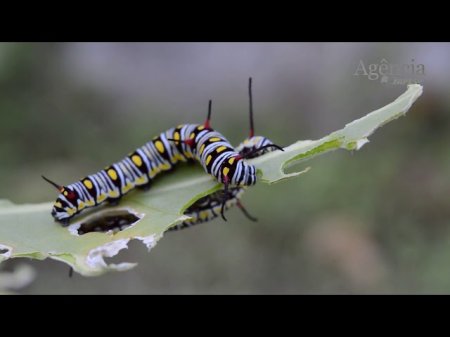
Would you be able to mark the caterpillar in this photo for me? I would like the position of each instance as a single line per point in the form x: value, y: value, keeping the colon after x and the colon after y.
x: 180, y: 144
x: 208, y: 208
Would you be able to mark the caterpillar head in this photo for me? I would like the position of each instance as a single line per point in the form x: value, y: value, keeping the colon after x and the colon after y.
x: 65, y: 205
x: 248, y: 147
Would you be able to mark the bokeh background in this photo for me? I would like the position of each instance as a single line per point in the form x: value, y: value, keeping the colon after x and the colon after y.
x: 375, y: 221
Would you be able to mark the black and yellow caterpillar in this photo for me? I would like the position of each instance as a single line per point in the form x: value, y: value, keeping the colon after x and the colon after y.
x: 138, y: 169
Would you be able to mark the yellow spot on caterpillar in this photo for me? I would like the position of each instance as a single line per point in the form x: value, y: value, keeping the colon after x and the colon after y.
x: 165, y: 167
x: 90, y: 202
x: 112, y: 174
x: 65, y: 193
x: 176, y: 136
x: 141, y: 180
x: 88, y: 184
x: 203, y: 215
x: 221, y: 148
x: 179, y: 157
x: 81, y: 205
x: 231, y: 160
x: 101, y: 198
x: 58, y: 204
x: 201, y: 127
x: 127, y: 187
x: 154, y: 171
x: 208, y: 159
x: 214, y: 139
x: 159, y: 146
x: 192, y: 136
x: 202, y: 148
x: 113, y: 194
x: 180, y: 126
x: 137, y: 160
x: 225, y: 171
x: 70, y: 211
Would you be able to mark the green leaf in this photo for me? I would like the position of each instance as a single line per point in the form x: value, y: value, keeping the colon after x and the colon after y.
x: 29, y: 231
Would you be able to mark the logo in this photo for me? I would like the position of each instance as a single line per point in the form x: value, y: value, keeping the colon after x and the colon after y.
x: 391, y: 73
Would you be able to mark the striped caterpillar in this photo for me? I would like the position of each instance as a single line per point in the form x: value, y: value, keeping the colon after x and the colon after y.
x: 138, y: 169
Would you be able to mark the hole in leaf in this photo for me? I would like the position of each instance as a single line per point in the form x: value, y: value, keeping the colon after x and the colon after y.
x: 114, y: 222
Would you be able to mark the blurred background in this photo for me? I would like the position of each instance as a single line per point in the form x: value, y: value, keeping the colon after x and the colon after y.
x: 375, y: 221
